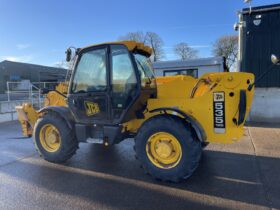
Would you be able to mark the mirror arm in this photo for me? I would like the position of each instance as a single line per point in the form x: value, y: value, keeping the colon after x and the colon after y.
x: 60, y: 93
x: 260, y: 77
x: 46, y: 91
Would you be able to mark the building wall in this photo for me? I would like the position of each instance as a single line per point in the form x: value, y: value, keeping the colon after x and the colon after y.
x: 8, y: 111
x: 15, y: 71
x: 265, y: 107
x: 259, y: 34
x: 259, y: 39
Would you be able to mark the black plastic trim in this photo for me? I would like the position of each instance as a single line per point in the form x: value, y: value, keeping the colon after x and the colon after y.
x: 62, y: 111
x: 242, y: 107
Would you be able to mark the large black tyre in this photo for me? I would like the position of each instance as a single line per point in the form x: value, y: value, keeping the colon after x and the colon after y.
x: 68, y: 141
x: 190, y: 148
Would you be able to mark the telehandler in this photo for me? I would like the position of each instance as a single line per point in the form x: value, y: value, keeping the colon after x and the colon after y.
x: 113, y: 95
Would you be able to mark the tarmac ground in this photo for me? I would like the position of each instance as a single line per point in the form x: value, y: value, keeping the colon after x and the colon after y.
x: 244, y: 175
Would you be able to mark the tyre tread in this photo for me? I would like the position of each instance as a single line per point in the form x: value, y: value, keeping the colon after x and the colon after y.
x: 193, y: 143
x: 69, y: 148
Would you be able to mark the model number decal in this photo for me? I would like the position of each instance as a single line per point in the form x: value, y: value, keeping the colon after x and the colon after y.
x: 219, y: 112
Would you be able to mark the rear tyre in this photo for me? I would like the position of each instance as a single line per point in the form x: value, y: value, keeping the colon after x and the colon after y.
x: 166, y: 149
x: 53, y: 138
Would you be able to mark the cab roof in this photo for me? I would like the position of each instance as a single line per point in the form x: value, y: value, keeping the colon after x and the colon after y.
x: 132, y: 46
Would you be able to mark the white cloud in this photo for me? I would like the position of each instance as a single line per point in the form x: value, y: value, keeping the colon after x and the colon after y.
x: 23, y: 46
x: 58, y: 63
x: 24, y: 58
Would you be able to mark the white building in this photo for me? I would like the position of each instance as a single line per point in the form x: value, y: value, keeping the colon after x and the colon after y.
x: 194, y: 67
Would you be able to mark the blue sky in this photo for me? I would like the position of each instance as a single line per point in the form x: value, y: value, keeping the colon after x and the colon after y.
x: 38, y: 31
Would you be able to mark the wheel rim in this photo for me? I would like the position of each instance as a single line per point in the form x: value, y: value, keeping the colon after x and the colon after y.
x: 50, y: 138
x: 164, y: 150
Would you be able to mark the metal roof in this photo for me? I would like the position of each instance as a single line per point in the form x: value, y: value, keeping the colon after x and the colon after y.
x: 131, y: 45
x: 265, y: 8
x: 17, y: 68
x: 12, y: 64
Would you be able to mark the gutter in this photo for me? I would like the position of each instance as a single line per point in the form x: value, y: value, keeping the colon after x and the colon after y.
x: 248, y: 11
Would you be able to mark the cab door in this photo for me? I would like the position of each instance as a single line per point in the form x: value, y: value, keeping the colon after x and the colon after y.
x: 125, y: 88
x: 88, y: 97
x: 132, y: 84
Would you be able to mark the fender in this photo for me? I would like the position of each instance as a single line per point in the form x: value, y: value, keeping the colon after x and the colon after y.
x: 62, y: 111
x: 194, y: 123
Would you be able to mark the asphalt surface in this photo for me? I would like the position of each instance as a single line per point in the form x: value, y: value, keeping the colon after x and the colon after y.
x: 245, y: 175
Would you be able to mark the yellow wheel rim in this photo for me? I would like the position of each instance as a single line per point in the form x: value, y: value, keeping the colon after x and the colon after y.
x: 164, y: 150
x: 50, y: 138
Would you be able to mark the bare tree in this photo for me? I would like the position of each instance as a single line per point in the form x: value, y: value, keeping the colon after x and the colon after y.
x: 63, y: 64
x: 184, y: 51
x: 227, y: 46
x: 151, y: 39
x: 60, y: 64
x: 137, y: 36
x: 156, y: 43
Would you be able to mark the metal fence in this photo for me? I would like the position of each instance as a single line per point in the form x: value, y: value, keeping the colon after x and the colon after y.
x: 19, y: 91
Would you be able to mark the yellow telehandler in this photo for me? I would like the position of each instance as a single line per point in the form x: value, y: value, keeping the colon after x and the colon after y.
x: 113, y: 95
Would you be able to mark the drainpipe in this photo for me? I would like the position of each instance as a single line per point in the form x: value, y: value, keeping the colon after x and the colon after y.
x: 240, y: 27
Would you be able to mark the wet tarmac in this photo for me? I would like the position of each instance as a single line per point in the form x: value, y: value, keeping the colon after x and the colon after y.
x: 245, y: 175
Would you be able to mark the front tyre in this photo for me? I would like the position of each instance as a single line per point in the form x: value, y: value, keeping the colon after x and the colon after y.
x: 53, y: 139
x: 167, y: 149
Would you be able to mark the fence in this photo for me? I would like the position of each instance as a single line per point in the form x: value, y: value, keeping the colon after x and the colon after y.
x: 31, y: 92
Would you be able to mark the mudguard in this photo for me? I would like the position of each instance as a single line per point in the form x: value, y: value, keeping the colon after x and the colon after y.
x: 194, y: 123
x: 62, y: 111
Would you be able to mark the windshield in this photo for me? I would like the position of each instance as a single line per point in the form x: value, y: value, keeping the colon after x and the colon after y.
x: 90, y: 73
x: 145, y: 67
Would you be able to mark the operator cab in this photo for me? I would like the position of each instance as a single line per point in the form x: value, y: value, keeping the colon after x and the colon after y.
x: 111, y: 83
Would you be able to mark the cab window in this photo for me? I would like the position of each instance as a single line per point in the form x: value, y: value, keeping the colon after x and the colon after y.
x: 146, y: 71
x: 124, y: 80
x: 90, y: 74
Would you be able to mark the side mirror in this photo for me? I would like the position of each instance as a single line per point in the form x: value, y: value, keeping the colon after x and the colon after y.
x: 68, y: 54
x: 275, y: 60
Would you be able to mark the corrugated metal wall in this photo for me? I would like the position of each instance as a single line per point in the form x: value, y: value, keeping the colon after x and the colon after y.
x: 261, y: 38
x: 24, y: 71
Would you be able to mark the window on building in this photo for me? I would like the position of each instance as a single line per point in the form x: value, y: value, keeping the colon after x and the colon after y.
x: 14, y: 77
x: 189, y: 72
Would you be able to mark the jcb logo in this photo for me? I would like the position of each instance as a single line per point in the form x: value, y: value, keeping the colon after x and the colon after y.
x: 219, y: 96
x: 91, y: 108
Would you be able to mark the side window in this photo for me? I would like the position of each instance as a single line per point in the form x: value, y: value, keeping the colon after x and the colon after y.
x: 189, y: 72
x: 90, y: 74
x: 124, y: 80
x: 146, y: 71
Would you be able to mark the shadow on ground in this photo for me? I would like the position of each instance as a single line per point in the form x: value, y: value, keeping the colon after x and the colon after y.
x: 113, y: 177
